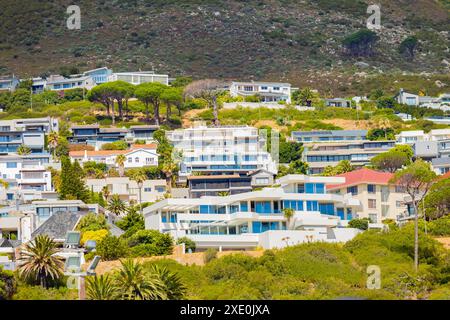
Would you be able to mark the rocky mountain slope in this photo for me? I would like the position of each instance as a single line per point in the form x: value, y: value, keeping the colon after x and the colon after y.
x: 290, y: 40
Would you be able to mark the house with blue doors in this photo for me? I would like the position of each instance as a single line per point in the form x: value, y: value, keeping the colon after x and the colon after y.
x: 253, y: 219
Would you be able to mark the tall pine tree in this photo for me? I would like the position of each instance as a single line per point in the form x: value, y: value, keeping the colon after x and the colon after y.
x: 72, y: 184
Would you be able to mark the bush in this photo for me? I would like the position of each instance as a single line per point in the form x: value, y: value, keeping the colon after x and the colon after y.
x: 111, y: 248
x: 210, y: 255
x: 362, y: 224
x: 97, y: 235
x: 151, y: 242
x: 188, y: 243
x: 92, y: 222
x: 440, y: 227
x: 7, y: 284
x: 26, y: 292
x: 116, y: 145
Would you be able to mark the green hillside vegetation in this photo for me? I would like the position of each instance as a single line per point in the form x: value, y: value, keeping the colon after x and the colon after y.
x: 324, y: 271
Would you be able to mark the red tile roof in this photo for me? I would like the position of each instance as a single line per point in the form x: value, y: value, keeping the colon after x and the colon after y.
x: 444, y: 176
x: 363, y: 175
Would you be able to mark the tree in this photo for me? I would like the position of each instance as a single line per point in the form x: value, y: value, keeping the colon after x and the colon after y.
x: 106, y: 193
x: 305, y: 96
x: 134, y: 284
x: 72, y: 185
x: 208, y: 90
x: 116, y: 205
x: 62, y: 149
x: 188, y: 243
x: 362, y: 224
x: 172, y: 96
x: 53, y: 139
x: 288, y: 213
x: 380, y: 134
x: 173, y: 286
x: 39, y: 263
x: 393, y: 159
x: 360, y: 43
x: 437, y: 202
x: 343, y: 166
x: 150, y: 93
x: 120, y: 161
x: 111, y: 248
x: 25, y: 84
x: 132, y: 222
x: 102, y: 93
x: 408, y: 46
x: 23, y: 150
x: 416, y: 179
x: 139, y: 177
x: 383, y: 123
x: 101, y: 288
x: 168, y: 168
x: 92, y: 222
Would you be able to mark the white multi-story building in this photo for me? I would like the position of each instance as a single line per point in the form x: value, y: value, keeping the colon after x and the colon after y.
x: 267, y: 91
x: 252, y: 219
x: 139, y: 77
x: 27, y: 179
x: 219, y: 150
x: 410, y: 137
x: 60, y: 83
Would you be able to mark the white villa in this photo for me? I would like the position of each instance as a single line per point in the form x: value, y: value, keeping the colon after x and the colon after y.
x: 137, y: 156
x: 267, y: 91
x: 256, y: 219
x: 139, y: 77
x: 221, y: 150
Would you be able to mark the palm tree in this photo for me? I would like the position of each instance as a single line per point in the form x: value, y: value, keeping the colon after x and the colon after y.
x: 134, y: 284
x: 101, y: 288
x: 139, y: 177
x: 174, y: 288
x: 116, y: 205
x: 120, y: 161
x: 53, y: 139
x: 106, y: 193
x: 168, y: 168
x: 288, y: 214
x: 39, y: 263
x: 23, y: 150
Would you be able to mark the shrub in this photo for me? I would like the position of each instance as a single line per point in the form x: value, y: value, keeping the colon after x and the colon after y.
x: 151, y: 242
x: 188, y: 243
x: 440, y: 227
x: 26, y: 292
x: 92, y: 222
x: 111, y: 248
x: 116, y: 145
x: 210, y: 255
x: 7, y: 284
x: 97, y: 235
x: 362, y: 224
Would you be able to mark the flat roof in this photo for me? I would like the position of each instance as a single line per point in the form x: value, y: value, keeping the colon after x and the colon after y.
x: 330, y: 132
x: 217, y: 176
x: 261, y: 83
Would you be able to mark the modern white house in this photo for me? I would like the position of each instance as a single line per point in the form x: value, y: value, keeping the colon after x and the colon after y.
x: 128, y: 190
x: 221, y: 150
x: 139, y: 77
x: 8, y: 83
x: 60, y: 83
x: 99, y: 75
x: 27, y: 179
x: 267, y: 91
x: 410, y: 137
x: 319, y: 155
x: 256, y: 219
x: 136, y: 157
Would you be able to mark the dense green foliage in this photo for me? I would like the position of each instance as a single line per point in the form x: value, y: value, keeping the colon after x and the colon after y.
x: 362, y: 224
x: 8, y: 284
x: 92, y: 222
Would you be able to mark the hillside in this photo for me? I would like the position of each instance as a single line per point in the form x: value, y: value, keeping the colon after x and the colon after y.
x: 290, y: 40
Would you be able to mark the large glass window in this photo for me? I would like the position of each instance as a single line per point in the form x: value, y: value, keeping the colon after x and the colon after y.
x: 312, y: 206
x: 353, y: 190
x: 326, y: 208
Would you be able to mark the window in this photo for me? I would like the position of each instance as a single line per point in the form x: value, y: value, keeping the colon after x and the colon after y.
x: 353, y: 190
x: 136, y: 160
x: 130, y: 160
x: 149, y: 160
x: 18, y: 176
x: 372, y: 203
x: 312, y: 205
x: 11, y: 164
x: 147, y: 189
x: 160, y: 189
x: 399, y: 189
x: 262, y: 180
x: 371, y: 188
